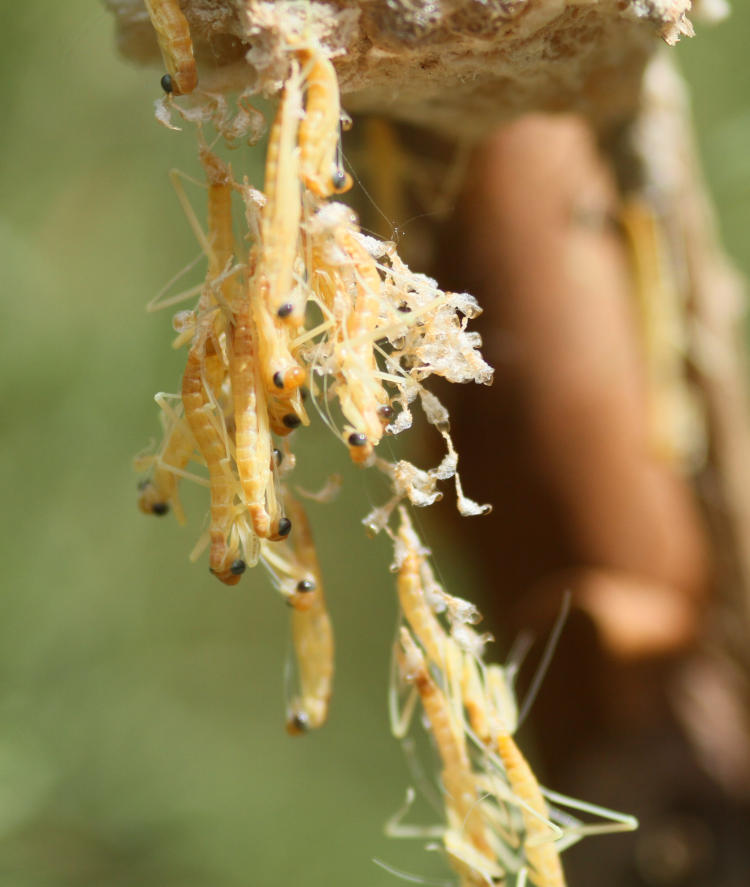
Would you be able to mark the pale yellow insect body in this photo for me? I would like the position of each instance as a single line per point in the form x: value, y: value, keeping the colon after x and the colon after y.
x: 319, y: 131
x: 252, y: 438
x: 173, y: 34
x: 416, y: 610
x: 361, y: 394
x: 460, y: 794
x: 345, y: 279
x: 541, y: 853
x: 224, y: 561
x: 160, y: 491
x: 294, y: 567
x: 282, y: 213
x: 312, y: 633
x: 220, y: 229
x: 482, y: 692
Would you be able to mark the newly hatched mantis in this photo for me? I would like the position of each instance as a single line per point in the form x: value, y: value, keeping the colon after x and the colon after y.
x: 179, y: 443
x: 159, y: 492
x: 176, y: 46
x: 281, y: 216
x: 320, y: 129
x: 252, y: 438
x: 464, y: 813
x: 295, y: 571
x: 509, y: 828
x: 198, y: 401
x: 204, y: 375
x: 363, y: 399
x: 487, y: 721
x: 312, y: 633
x: 349, y: 289
x: 253, y: 447
x: 270, y: 288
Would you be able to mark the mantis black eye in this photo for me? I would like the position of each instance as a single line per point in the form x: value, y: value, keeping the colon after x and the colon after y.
x: 299, y: 722
x: 238, y: 567
x: 291, y: 420
x: 285, y: 310
x: 357, y: 440
x: 278, y: 456
x: 285, y: 526
x: 278, y: 380
x: 386, y: 413
x: 166, y: 83
x: 306, y: 585
x: 160, y: 508
x: 338, y: 179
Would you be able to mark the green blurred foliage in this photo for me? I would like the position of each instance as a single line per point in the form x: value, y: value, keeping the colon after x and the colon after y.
x: 716, y: 66
x: 141, y: 704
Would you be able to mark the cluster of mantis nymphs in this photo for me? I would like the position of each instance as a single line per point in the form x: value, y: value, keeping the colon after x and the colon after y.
x: 307, y: 311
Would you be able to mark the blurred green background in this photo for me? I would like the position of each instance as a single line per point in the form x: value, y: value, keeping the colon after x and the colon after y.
x: 141, y: 703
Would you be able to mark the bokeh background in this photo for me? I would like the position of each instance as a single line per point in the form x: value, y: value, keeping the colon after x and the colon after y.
x: 141, y: 703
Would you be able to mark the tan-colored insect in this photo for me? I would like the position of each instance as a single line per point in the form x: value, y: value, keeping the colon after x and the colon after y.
x: 320, y: 129
x: 492, y: 714
x: 417, y: 612
x: 483, y: 694
x: 540, y: 851
x: 252, y: 436
x: 484, y: 706
x: 276, y: 306
x: 179, y: 443
x: 232, y: 422
x: 253, y: 447
x: 281, y: 215
x: 348, y: 288
x: 363, y: 400
x: 461, y: 799
x: 312, y: 633
x: 173, y: 34
x: 456, y: 665
x: 160, y: 492
x: 220, y: 230
x: 208, y: 429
